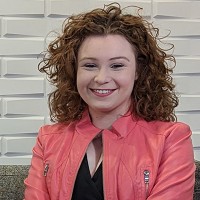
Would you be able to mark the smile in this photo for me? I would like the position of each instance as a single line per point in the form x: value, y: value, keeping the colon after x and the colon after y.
x: 103, y: 91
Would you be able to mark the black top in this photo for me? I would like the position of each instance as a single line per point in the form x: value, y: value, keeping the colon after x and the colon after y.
x: 87, y: 187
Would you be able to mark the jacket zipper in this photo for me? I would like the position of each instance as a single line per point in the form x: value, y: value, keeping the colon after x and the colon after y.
x: 146, y: 181
x: 46, y: 168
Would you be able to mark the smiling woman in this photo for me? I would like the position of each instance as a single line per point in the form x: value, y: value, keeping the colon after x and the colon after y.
x: 106, y: 76
x: 116, y: 135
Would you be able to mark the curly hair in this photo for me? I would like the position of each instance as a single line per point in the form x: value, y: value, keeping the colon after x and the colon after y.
x: 153, y: 95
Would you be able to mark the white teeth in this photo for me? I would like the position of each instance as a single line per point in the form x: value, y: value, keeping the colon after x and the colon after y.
x: 102, y: 91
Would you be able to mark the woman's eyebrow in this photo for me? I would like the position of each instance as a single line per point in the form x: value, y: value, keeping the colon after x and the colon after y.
x: 113, y: 58
x: 120, y: 57
x: 87, y: 58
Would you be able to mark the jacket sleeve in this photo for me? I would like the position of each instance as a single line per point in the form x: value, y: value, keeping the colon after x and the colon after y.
x: 176, y: 173
x: 35, y: 182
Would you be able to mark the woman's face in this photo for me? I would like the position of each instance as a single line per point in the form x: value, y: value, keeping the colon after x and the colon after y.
x: 106, y: 73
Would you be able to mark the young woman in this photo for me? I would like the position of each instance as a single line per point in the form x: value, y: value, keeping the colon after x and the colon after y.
x: 115, y: 136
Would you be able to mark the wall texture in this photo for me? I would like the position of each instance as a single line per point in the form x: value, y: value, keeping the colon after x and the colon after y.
x: 24, y: 25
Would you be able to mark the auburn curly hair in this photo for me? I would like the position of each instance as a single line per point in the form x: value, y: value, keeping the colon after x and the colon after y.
x: 153, y: 95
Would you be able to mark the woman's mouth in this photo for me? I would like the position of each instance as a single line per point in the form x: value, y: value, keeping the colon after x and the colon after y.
x: 102, y: 92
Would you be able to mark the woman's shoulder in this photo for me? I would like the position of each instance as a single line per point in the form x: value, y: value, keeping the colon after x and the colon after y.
x: 55, y: 134
x: 166, y: 128
x: 56, y: 128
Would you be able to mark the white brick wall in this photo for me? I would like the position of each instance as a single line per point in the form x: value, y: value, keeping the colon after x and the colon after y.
x: 182, y: 18
x: 24, y: 25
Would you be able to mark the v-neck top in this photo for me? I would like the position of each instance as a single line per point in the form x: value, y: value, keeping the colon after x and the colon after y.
x: 87, y: 187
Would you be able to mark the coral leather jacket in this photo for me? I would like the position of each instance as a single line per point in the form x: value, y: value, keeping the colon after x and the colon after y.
x: 141, y: 160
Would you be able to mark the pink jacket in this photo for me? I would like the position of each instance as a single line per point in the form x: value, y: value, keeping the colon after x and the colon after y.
x: 141, y: 160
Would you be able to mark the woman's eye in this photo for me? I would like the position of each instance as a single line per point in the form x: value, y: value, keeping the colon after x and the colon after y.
x: 89, y: 65
x: 117, y: 66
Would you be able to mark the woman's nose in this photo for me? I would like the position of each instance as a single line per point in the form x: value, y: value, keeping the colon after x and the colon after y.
x: 102, y: 76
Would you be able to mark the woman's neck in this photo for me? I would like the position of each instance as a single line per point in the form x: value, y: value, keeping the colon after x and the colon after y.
x: 104, y: 120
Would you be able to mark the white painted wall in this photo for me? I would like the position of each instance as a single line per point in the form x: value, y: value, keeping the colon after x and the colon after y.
x: 23, y: 90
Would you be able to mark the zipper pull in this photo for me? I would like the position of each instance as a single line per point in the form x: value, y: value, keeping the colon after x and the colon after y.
x: 146, y: 181
x: 146, y: 176
x: 46, y: 168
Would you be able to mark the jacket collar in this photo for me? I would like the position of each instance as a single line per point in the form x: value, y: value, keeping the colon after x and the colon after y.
x: 121, y: 127
x: 84, y: 126
x: 124, y: 125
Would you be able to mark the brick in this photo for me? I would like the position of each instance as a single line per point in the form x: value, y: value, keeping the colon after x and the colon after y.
x: 17, y: 46
x: 20, y: 66
x: 189, y: 65
x: 20, y: 125
x: 55, y: 24
x: 197, y: 154
x: 184, y: 47
x: 14, y: 25
x: 187, y: 84
x: 19, y: 7
x: 68, y: 7
x: 196, y: 139
x: 18, y: 144
x: 0, y: 145
x: 15, y: 160
x: 25, y: 106
x: 190, y: 118
x: 0, y: 27
x: 189, y: 103
x: 0, y: 106
x: 0, y: 66
x: 179, y: 9
x: 48, y: 120
x: 11, y: 86
x: 177, y: 27
x: 49, y: 88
